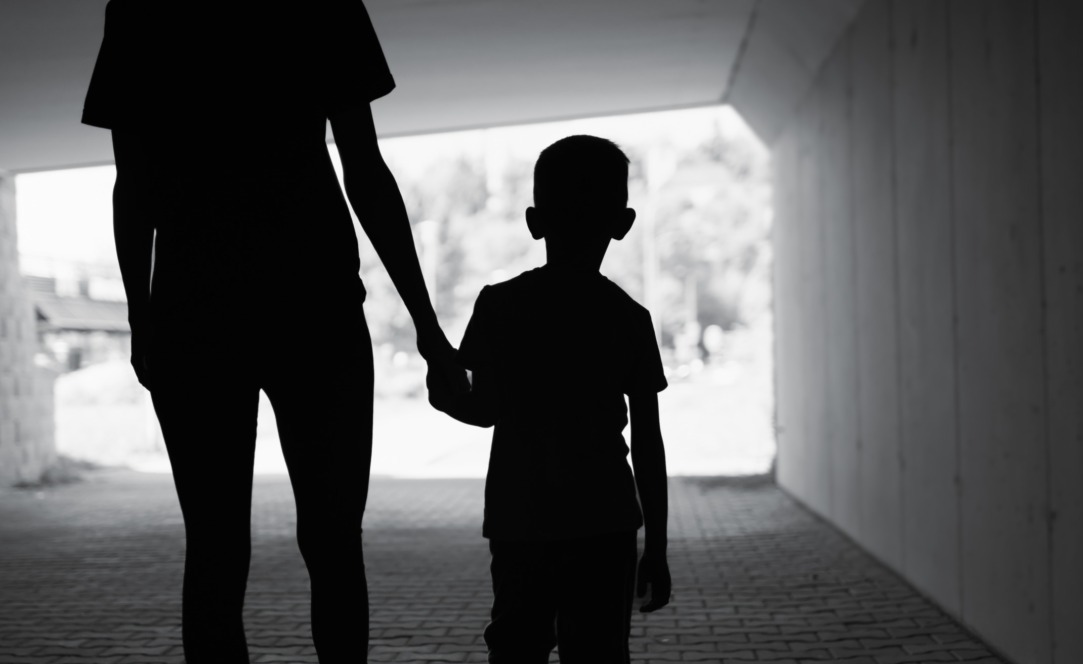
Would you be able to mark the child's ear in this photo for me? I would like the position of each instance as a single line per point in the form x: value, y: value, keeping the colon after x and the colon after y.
x: 535, y: 222
x: 623, y: 223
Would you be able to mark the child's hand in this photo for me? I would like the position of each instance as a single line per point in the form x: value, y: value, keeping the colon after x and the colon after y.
x: 653, y: 571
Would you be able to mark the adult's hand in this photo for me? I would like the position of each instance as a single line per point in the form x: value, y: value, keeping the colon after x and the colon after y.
x: 141, y: 357
x: 441, y: 395
x: 440, y: 356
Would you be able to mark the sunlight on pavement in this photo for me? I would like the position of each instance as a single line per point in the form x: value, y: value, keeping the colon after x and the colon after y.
x: 716, y: 421
x: 411, y: 440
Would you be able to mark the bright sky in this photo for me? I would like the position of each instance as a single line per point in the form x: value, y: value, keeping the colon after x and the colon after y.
x: 66, y: 216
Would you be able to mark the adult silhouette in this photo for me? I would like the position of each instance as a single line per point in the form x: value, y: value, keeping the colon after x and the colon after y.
x: 240, y: 264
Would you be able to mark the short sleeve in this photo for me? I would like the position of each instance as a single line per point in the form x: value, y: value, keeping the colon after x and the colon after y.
x: 356, y: 71
x: 105, y: 101
x: 646, y: 374
x: 476, y: 348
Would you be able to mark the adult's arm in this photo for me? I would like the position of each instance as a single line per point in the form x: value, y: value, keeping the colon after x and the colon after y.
x: 374, y: 196
x: 133, y: 234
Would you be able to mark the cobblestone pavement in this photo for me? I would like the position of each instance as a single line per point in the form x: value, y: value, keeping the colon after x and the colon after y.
x: 90, y: 572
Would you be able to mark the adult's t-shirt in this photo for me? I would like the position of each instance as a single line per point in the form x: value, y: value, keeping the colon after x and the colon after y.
x: 229, y: 102
x: 561, y: 348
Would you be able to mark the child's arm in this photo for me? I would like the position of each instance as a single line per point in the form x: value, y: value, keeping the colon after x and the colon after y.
x: 649, y: 464
x: 474, y: 407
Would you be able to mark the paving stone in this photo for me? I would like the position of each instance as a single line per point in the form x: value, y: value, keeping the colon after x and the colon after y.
x: 91, y: 573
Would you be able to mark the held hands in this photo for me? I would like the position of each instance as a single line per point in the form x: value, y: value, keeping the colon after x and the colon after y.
x: 653, y: 571
x: 445, y: 379
x: 442, y: 393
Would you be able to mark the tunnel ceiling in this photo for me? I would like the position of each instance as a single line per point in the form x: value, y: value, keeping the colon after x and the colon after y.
x: 469, y: 63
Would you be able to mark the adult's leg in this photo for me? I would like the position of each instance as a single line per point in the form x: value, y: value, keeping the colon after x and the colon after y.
x: 522, y: 628
x: 324, y: 411
x: 594, y: 611
x: 208, y: 419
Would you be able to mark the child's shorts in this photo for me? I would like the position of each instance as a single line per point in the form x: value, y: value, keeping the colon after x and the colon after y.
x: 574, y: 594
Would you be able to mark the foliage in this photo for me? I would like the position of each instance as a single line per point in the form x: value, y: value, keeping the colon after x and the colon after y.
x: 707, y: 208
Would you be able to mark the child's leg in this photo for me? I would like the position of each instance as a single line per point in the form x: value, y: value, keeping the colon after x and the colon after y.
x: 594, y: 609
x: 522, y: 627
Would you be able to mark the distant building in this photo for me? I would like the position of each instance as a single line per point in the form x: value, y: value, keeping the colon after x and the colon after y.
x: 76, y: 329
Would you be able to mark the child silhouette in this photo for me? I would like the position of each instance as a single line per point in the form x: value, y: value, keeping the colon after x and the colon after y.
x: 552, y: 352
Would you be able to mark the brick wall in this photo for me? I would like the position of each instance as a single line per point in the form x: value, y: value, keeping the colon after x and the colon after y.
x: 26, y: 391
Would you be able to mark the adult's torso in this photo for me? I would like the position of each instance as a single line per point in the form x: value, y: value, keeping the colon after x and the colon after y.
x: 249, y: 216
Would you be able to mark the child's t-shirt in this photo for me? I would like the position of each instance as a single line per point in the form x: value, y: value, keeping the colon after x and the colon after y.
x: 560, y: 348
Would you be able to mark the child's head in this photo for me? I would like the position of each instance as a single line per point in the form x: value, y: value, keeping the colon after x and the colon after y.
x: 581, y: 171
x: 580, y: 196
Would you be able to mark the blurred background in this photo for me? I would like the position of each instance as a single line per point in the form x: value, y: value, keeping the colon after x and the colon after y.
x: 698, y: 257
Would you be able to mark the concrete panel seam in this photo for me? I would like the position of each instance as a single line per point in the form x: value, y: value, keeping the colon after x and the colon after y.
x: 1050, y: 515
x: 822, y: 304
x: 852, y: 212
x: 776, y: 280
x: 955, y: 309
x: 894, y: 194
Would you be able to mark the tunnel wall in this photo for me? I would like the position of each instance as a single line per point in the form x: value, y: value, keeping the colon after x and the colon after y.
x: 929, y: 308
x: 27, y: 446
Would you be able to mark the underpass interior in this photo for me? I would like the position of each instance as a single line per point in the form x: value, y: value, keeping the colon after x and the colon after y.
x: 927, y: 300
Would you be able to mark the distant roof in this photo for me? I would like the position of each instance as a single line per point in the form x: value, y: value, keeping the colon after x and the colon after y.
x: 81, y: 314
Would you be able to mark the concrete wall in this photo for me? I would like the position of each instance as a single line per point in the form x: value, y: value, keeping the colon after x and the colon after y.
x: 929, y: 308
x: 786, y: 44
x: 26, y: 391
